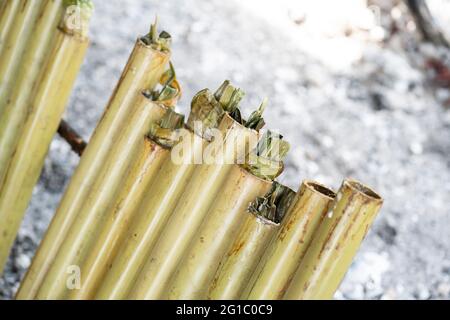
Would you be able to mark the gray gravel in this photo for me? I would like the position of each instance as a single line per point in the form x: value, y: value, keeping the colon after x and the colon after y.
x: 377, y: 119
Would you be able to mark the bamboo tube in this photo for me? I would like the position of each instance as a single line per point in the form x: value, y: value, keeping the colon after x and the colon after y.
x: 211, y: 242
x: 93, y: 213
x: 163, y: 196
x: 335, y: 243
x: 151, y: 158
x: 145, y: 66
x: 283, y: 255
x: 16, y: 107
x: 8, y: 12
x: 192, y: 208
x: 259, y: 226
x: 15, y: 44
x: 49, y: 103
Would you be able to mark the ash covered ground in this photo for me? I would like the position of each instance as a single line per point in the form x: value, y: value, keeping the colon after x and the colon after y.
x: 352, y: 92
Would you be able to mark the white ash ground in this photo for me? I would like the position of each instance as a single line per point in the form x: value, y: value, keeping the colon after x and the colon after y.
x: 349, y: 105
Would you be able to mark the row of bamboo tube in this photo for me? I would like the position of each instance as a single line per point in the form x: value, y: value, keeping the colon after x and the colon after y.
x: 41, y: 52
x: 138, y: 225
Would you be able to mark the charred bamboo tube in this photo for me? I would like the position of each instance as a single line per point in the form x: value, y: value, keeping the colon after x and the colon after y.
x: 233, y: 143
x: 335, y: 243
x: 144, y: 69
x: 8, y: 12
x: 163, y: 135
x: 197, y: 269
x: 16, y: 107
x: 259, y: 226
x: 49, y: 103
x: 162, y: 196
x: 93, y: 213
x: 15, y: 44
x: 283, y: 255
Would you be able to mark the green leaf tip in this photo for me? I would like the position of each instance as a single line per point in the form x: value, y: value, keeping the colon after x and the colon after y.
x: 161, y: 42
x: 266, y: 160
x: 167, y: 91
x: 166, y: 131
x: 229, y: 96
x: 205, y: 110
x: 256, y: 120
x: 275, y: 204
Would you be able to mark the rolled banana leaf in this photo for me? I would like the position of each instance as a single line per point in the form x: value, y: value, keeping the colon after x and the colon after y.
x: 283, y: 255
x: 144, y: 69
x: 335, y: 243
x: 261, y: 222
x: 54, y: 89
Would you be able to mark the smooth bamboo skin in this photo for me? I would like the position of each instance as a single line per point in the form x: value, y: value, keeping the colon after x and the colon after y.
x: 284, y: 253
x: 93, y: 213
x: 8, y: 12
x: 18, y: 105
x: 15, y: 45
x: 149, y: 162
x: 52, y: 95
x: 212, y: 241
x: 143, y: 70
x: 335, y: 244
x: 148, y: 221
x: 189, y: 213
x: 237, y: 266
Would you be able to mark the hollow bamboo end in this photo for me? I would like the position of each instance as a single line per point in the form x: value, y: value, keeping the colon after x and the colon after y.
x: 320, y: 189
x: 362, y: 190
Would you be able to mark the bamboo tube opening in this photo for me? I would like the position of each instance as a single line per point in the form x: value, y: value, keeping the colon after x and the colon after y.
x: 363, y: 190
x: 319, y: 188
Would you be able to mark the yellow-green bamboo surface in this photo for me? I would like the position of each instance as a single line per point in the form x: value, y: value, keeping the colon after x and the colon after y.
x: 92, y: 213
x: 145, y: 67
x: 335, y: 243
x: 163, y: 194
x: 190, y: 211
x: 49, y: 103
x: 149, y: 161
x: 212, y: 240
x: 8, y: 12
x: 151, y: 215
x: 18, y: 103
x: 283, y: 255
x: 16, y: 42
x: 256, y: 231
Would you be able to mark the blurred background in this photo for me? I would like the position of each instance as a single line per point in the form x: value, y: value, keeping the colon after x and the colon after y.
x: 360, y: 89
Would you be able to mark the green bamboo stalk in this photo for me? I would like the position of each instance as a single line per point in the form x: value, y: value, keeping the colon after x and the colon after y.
x: 283, y: 255
x: 15, y: 44
x: 17, y: 107
x: 94, y: 213
x: 144, y: 69
x: 49, y: 103
x: 193, y: 205
x: 335, y: 243
x: 163, y: 195
x: 197, y: 269
x: 261, y: 222
x: 8, y: 12
x: 157, y: 146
